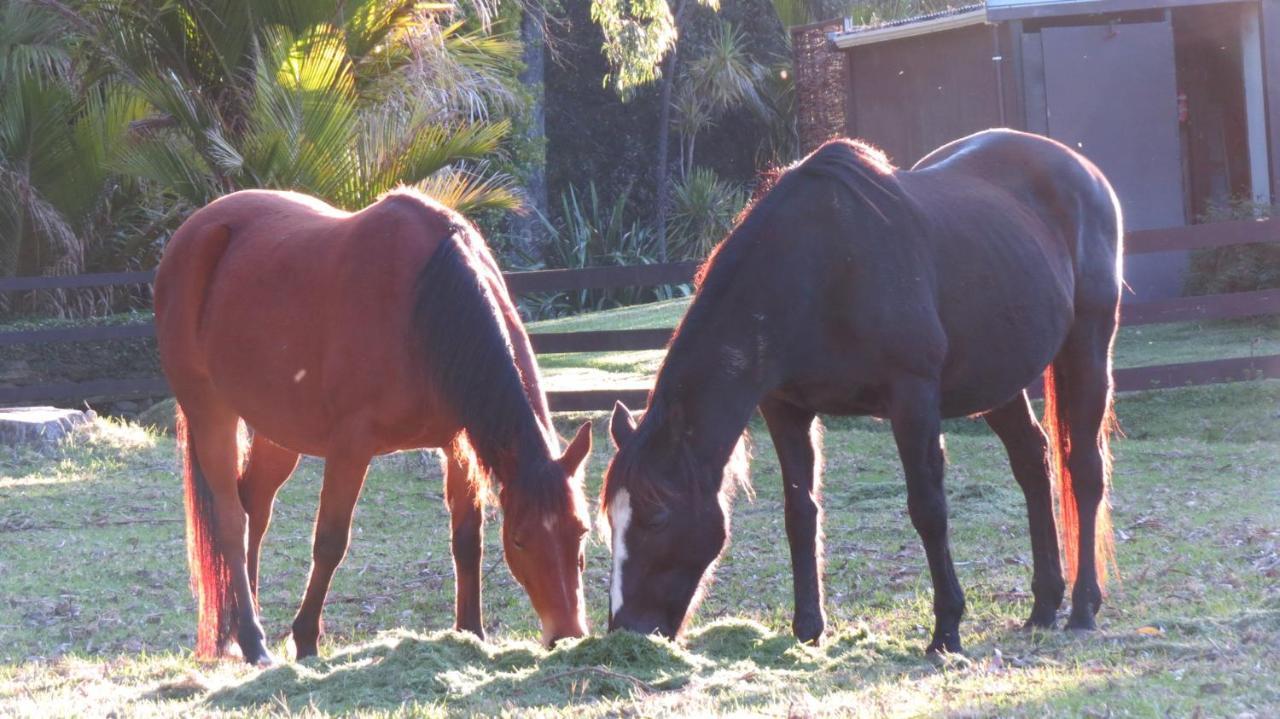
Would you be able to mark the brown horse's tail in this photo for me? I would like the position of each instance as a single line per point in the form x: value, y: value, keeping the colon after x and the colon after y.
x: 210, y: 575
x: 1057, y: 425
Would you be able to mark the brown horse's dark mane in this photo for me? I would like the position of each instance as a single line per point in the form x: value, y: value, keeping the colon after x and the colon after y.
x: 471, y: 368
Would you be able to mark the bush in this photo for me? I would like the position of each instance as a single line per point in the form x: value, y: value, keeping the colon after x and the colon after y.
x: 589, y: 233
x: 1236, y: 268
x: 703, y: 209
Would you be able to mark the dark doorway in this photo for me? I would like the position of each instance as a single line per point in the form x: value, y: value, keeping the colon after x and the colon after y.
x: 1216, y: 68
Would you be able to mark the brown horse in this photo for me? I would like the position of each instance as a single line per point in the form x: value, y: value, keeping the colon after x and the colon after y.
x: 348, y: 335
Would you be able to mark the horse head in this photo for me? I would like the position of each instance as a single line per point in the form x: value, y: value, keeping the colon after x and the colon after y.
x: 544, y: 528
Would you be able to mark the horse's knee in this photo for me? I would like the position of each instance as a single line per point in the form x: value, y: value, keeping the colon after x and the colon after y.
x: 802, y: 512
x: 330, y: 546
x: 929, y: 515
x: 1086, y: 478
x: 467, y: 546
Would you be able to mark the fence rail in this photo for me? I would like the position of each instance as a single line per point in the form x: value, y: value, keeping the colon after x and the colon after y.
x: 1180, y: 309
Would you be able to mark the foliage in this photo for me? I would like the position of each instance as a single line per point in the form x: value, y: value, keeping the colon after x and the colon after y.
x: 638, y: 34
x: 591, y: 233
x: 60, y: 210
x: 724, y: 78
x: 862, y: 12
x: 286, y: 94
x: 703, y: 211
x: 1235, y: 268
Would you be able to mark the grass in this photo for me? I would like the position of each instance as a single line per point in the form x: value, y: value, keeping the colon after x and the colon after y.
x: 96, y: 617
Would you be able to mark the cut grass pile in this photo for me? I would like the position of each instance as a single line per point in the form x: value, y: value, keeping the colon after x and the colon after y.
x: 96, y: 617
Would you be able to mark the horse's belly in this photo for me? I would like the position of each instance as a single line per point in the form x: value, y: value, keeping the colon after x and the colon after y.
x: 982, y: 374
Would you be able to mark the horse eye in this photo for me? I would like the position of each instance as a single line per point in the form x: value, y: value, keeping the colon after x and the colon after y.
x: 658, y: 519
x: 518, y: 543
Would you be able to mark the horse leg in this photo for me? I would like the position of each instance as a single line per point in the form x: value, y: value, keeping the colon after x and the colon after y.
x: 344, y: 475
x: 269, y: 467
x: 217, y: 451
x: 1083, y: 389
x: 467, y: 519
x: 1028, y: 447
x: 797, y: 440
x: 915, y: 413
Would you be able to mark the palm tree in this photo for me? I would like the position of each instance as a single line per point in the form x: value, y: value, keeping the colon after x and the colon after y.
x: 296, y: 94
x: 56, y: 129
x: 724, y: 78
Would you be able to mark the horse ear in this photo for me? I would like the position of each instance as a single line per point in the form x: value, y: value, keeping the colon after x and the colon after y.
x: 622, y: 424
x: 578, y: 449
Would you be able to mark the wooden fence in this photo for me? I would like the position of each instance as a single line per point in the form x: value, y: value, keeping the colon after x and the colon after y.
x: 1181, y: 309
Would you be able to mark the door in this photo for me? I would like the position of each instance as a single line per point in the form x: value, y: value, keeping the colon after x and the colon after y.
x: 1111, y: 94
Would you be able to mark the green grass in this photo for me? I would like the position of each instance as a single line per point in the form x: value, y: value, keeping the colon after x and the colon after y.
x: 96, y: 617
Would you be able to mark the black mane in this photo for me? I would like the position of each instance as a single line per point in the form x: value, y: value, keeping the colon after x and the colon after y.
x: 468, y: 359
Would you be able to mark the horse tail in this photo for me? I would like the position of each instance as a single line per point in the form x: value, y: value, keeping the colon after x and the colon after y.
x: 210, y: 575
x: 1057, y: 425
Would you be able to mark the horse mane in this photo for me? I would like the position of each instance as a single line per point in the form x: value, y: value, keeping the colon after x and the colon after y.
x: 860, y: 168
x: 471, y: 368
x: 627, y: 465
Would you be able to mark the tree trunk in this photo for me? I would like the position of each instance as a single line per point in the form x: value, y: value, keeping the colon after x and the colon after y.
x: 527, y: 228
x: 664, y: 135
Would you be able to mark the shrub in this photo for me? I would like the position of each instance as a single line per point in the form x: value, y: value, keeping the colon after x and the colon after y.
x: 590, y: 233
x: 702, y: 212
x: 1235, y: 268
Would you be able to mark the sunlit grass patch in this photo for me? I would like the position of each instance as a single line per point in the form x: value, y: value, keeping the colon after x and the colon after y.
x: 96, y: 616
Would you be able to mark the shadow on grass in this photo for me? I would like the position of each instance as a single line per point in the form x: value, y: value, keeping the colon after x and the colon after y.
x: 457, y: 669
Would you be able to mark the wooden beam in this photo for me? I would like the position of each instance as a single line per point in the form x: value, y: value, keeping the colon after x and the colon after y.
x: 601, y: 341
x: 1205, y: 307
x: 589, y: 278
x: 20, y: 284
x: 81, y: 391
x: 592, y: 400
x: 77, y: 334
x: 1200, y: 237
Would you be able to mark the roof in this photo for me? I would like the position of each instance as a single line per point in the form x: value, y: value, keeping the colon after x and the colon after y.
x: 951, y: 19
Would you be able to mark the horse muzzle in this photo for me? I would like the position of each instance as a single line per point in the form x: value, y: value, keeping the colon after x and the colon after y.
x: 643, y: 623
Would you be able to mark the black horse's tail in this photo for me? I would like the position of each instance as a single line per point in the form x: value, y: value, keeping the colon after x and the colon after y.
x: 1057, y: 425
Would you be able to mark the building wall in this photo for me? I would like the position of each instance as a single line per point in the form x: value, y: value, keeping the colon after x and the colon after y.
x: 820, y: 84
x: 911, y: 95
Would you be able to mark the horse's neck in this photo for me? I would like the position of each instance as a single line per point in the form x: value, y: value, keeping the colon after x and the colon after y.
x: 715, y: 375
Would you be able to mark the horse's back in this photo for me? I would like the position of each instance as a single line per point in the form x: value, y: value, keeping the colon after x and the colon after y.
x: 1024, y: 235
x: 1051, y: 184
x: 304, y: 318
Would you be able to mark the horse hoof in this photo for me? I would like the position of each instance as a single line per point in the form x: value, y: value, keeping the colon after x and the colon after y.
x: 302, y: 650
x: 944, y: 645
x: 1081, y: 622
x: 1040, y: 619
x: 808, y: 630
x: 258, y: 656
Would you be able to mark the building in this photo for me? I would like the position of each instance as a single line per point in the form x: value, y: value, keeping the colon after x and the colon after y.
x: 1178, y: 101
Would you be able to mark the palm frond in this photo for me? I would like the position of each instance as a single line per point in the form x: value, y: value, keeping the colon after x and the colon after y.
x: 470, y: 190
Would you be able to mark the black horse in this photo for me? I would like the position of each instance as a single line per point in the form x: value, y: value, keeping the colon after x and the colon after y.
x: 854, y: 288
